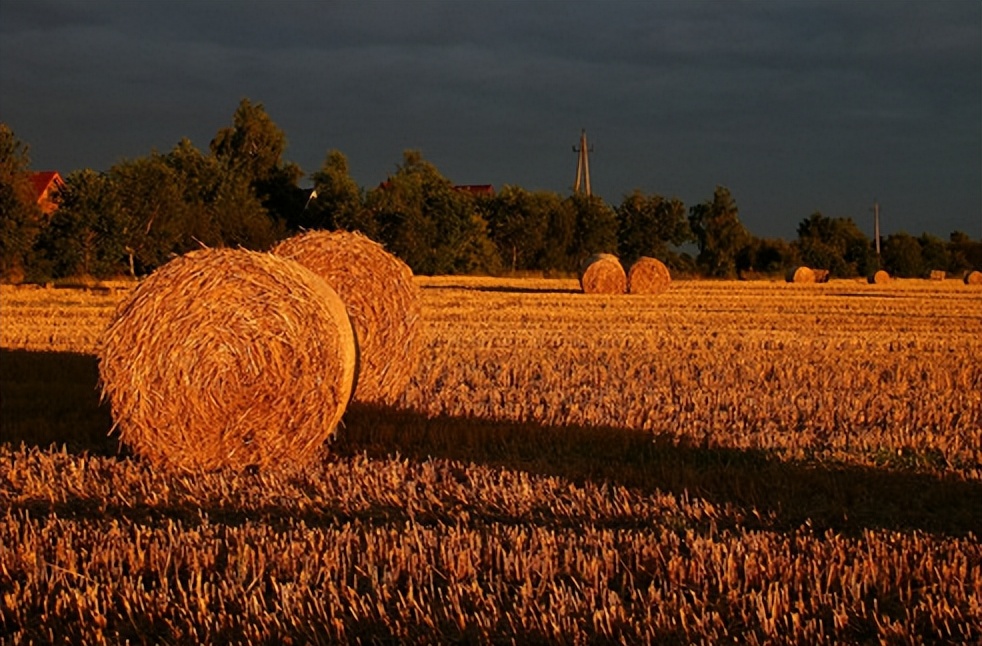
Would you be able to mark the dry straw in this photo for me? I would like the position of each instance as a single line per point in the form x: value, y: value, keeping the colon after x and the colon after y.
x: 881, y: 277
x: 801, y: 275
x: 228, y: 358
x: 648, y: 276
x: 973, y: 278
x: 603, y: 274
x: 821, y: 275
x: 383, y: 302
x: 938, y: 274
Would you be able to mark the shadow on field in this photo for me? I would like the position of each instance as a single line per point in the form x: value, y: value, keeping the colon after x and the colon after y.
x: 786, y: 495
x: 52, y: 398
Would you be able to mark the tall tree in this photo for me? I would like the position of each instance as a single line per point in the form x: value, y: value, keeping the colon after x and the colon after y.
x: 252, y: 148
x: 596, y: 227
x: 337, y: 201
x: 222, y: 208
x: 902, y: 255
x: 19, y: 213
x: 648, y: 224
x: 86, y: 235
x: 153, y: 214
x: 835, y: 244
x: 518, y: 223
x: 719, y: 233
x: 434, y: 228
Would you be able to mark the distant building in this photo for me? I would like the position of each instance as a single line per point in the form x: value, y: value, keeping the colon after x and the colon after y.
x: 46, y: 185
x: 477, y: 190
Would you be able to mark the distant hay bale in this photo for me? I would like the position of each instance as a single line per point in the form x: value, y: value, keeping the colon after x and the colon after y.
x: 879, y: 278
x: 821, y: 275
x: 383, y: 302
x: 648, y: 276
x: 973, y: 278
x: 228, y: 358
x: 602, y: 273
x: 938, y: 274
x: 801, y: 275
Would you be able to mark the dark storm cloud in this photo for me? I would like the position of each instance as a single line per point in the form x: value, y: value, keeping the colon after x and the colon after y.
x: 794, y: 106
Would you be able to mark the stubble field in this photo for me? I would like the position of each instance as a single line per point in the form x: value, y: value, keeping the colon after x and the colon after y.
x: 754, y: 462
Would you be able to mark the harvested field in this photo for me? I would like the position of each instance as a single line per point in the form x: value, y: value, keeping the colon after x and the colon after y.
x: 753, y: 462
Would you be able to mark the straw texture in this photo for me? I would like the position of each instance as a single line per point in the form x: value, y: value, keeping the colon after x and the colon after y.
x: 603, y: 274
x: 881, y: 277
x: 801, y: 275
x: 648, y: 276
x: 973, y: 278
x: 228, y: 358
x: 382, y: 300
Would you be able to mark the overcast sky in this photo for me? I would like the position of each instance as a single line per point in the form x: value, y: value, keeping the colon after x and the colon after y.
x: 795, y: 106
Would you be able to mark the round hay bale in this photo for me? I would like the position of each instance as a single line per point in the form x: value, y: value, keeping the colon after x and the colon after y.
x: 228, y: 358
x: 602, y: 273
x: 648, y: 276
x: 383, y: 302
x: 821, y: 275
x: 881, y: 277
x: 801, y: 275
x: 973, y: 278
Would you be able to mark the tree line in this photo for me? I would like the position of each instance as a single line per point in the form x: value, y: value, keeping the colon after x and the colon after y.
x: 140, y: 213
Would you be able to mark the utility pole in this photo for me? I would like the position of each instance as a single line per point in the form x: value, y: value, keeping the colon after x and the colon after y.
x: 876, y: 225
x: 582, y: 165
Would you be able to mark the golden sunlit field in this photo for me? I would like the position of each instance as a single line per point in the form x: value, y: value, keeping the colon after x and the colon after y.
x: 750, y: 462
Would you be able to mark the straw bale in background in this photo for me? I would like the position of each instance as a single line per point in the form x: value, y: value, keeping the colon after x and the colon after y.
x: 801, y: 275
x: 228, y: 358
x: 973, y: 278
x: 938, y: 274
x: 881, y: 277
x: 383, y: 302
x: 821, y: 275
x: 603, y: 274
x: 648, y: 276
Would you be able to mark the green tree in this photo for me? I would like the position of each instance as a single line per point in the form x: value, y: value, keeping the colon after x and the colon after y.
x: 434, y: 228
x: 221, y: 207
x: 934, y: 252
x: 963, y: 253
x: 835, y: 244
x: 153, y: 215
x: 902, y: 255
x: 85, y: 236
x: 719, y: 233
x: 596, y: 227
x: 252, y: 149
x: 20, y: 216
x: 770, y: 256
x: 338, y: 202
x: 648, y: 224
x: 518, y: 222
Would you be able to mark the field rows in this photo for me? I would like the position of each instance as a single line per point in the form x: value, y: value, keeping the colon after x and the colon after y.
x: 752, y: 462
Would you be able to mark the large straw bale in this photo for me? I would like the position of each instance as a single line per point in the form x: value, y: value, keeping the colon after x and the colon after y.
x: 801, y: 275
x: 973, y: 278
x: 228, y: 358
x: 648, y: 276
x: 382, y: 300
x: 602, y: 273
x: 821, y: 275
x: 881, y: 277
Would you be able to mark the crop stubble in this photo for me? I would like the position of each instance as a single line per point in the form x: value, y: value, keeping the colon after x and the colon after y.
x: 774, y: 462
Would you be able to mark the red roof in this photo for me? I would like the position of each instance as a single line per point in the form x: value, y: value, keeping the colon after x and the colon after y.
x: 45, y: 184
x: 476, y: 189
x: 43, y: 180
